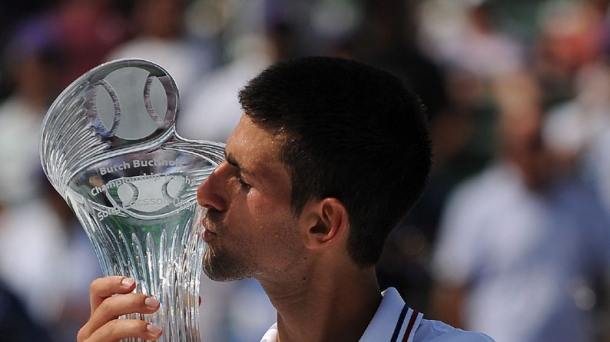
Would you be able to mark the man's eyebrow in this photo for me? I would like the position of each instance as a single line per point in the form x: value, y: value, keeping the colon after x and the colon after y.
x: 231, y: 160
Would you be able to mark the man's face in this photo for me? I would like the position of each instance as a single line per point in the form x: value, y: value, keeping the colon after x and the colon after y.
x: 250, y: 231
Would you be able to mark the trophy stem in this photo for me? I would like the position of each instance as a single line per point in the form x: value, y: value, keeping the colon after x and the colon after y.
x: 163, y: 256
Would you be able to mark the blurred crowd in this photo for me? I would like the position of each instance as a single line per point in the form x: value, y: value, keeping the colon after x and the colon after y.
x: 512, y: 236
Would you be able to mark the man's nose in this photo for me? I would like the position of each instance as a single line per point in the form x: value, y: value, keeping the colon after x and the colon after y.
x: 209, y: 193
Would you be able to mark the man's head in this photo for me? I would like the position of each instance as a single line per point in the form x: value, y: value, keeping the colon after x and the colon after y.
x: 520, y: 120
x: 326, y: 146
x: 350, y: 132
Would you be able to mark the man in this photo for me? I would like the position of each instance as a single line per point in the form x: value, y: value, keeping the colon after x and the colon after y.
x: 329, y: 155
x: 522, y: 245
x: 16, y: 323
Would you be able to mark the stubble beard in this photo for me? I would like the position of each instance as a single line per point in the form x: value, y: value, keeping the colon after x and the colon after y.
x: 223, y: 266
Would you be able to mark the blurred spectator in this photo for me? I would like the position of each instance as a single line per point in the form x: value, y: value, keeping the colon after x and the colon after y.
x: 39, y: 259
x: 579, y: 130
x: 211, y: 110
x: 160, y: 37
x: 12, y: 15
x: 469, y: 42
x: 45, y: 257
x: 574, y: 126
x: 473, y: 43
x: 262, y: 32
x: 32, y: 60
x: 89, y: 30
x: 571, y: 36
x: 384, y: 39
x: 597, y: 167
x: 16, y: 325
x: 578, y: 124
x: 31, y: 247
x: 520, y: 247
x: 27, y: 244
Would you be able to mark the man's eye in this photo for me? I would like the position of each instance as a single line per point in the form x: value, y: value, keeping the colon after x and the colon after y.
x: 242, y: 183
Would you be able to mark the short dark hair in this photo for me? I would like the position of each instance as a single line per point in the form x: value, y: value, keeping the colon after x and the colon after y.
x: 353, y: 132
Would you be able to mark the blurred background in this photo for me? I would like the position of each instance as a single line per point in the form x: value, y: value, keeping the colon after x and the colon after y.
x: 512, y: 236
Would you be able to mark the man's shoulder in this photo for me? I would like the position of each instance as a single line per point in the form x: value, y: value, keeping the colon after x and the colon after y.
x: 437, y: 331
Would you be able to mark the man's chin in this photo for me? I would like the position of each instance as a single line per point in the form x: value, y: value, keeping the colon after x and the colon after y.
x: 221, y: 273
x: 222, y: 278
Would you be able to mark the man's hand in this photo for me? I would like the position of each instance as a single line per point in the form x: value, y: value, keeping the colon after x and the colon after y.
x: 104, y: 325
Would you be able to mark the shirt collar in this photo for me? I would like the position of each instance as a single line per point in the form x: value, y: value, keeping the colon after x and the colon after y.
x: 386, y: 318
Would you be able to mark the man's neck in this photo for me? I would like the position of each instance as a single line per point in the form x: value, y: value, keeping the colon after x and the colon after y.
x: 329, y: 308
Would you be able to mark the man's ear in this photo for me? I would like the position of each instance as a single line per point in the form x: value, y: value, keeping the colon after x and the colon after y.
x: 326, y: 222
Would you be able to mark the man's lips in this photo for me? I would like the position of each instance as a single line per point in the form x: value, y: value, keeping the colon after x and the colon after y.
x: 207, y: 235
x: 208, y: 231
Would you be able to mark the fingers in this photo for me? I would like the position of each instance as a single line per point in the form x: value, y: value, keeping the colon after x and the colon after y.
x: 118, y: 329
x: 116, y: 306
x: 106, y: 287
x: 104, y: 325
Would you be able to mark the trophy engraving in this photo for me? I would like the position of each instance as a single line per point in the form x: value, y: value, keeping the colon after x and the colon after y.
x: 109, y: 147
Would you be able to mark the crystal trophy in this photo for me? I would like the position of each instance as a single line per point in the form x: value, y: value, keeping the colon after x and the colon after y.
x: 110, y: 148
